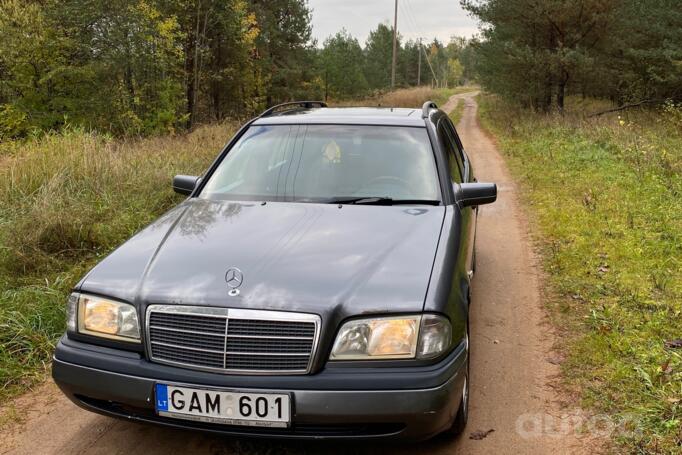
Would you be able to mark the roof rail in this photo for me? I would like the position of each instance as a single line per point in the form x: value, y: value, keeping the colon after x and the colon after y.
x: 303, y: 104
x: 427, y: 107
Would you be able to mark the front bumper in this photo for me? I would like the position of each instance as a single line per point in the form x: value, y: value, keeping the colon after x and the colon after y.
x: 339, y: 403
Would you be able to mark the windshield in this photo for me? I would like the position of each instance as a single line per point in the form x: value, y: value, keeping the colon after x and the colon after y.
x: 318, y: 163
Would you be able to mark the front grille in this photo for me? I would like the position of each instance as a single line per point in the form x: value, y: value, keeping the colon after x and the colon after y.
x: 232, y: 341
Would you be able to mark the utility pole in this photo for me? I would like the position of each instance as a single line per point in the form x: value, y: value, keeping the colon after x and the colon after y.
x: 419, y: 67
x: 395, y: 44
x: 326, y: 85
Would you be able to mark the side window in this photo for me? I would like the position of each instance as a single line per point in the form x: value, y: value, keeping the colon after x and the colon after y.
x: 458, y: 145
x: 452, y: 152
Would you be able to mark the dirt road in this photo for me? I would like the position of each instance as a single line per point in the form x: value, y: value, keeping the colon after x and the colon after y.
x: 513, y: 367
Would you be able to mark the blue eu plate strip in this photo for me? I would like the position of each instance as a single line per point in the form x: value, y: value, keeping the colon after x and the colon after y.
x: 161, y: 397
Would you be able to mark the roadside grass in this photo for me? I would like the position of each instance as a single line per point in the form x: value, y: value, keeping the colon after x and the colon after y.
x: 457, y: 112
x: 605, y: 197
x: 408, y: 97
x: 443, y: 95
x: 66, y: 200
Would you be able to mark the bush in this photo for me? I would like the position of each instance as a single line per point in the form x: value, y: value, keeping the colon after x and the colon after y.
x: 13, y: 122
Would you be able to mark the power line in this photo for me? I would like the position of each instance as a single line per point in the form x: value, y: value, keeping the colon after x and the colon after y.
x: 411, y: 23
x: 428, y: 60
x: 411, y: 18
x: 413, y: 28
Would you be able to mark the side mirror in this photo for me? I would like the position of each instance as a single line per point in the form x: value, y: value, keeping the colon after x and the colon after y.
x: 185, y: 184
x: 472, y: 194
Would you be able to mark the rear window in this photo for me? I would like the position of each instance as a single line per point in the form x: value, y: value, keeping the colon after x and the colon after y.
x: 321, y: 162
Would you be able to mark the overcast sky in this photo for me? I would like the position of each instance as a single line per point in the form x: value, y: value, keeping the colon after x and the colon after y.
x: 426, y: 18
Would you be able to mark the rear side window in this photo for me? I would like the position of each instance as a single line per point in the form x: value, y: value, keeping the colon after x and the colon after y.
x: 459, y: 149
x: 454, y: 158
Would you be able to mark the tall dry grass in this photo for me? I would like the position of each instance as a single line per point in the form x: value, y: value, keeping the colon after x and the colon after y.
x: 407, y: 97
x: 66, y: 200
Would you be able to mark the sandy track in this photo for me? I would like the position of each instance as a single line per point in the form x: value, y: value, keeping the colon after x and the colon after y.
x: 512, y: 371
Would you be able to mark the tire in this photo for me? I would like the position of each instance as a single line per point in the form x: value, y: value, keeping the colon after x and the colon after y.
x: 460, y: 422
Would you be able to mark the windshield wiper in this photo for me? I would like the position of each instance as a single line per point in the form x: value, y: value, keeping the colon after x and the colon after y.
x: 382, y: 201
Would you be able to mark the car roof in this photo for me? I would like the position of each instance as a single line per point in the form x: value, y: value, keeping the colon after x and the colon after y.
x: 387, y: 116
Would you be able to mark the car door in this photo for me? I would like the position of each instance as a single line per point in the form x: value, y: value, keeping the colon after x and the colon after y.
x: 459, y: 172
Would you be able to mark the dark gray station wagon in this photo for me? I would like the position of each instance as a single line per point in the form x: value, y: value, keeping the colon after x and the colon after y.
x: 314, y: 284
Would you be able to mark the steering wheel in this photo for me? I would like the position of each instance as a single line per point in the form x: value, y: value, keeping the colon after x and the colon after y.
x: 391, y: 180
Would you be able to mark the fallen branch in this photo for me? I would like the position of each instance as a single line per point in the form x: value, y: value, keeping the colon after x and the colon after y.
x: 623, y: 107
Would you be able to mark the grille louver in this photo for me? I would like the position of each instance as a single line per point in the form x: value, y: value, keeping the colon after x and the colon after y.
x: 232, y: 341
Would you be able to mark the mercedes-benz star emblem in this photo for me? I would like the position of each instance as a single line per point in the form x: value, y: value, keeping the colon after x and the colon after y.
x: 234, y: 278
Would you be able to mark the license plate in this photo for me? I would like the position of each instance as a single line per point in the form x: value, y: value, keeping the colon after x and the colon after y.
x: 226, y: 407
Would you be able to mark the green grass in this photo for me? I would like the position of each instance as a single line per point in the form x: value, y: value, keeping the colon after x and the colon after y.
x: 605, y: 197
x: 457, y: 112
x: 441, y: 96
x: 66, y: 200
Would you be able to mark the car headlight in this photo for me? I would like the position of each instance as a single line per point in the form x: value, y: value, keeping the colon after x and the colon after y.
x: 400, y: 337
x: 102, y: 317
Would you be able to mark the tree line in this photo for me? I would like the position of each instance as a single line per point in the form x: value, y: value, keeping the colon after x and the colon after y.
x: 143, y: 66
x: 536, y: 52
x: 155, y: 66
x: 350, y: 70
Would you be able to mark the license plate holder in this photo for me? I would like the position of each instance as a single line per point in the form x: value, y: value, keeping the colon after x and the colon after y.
x: 223, y: 406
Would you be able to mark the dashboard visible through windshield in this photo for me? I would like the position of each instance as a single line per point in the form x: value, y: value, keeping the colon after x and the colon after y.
x: 325, y: 163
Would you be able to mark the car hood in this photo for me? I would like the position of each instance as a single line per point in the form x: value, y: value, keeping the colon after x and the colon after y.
x: 315, y: 258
